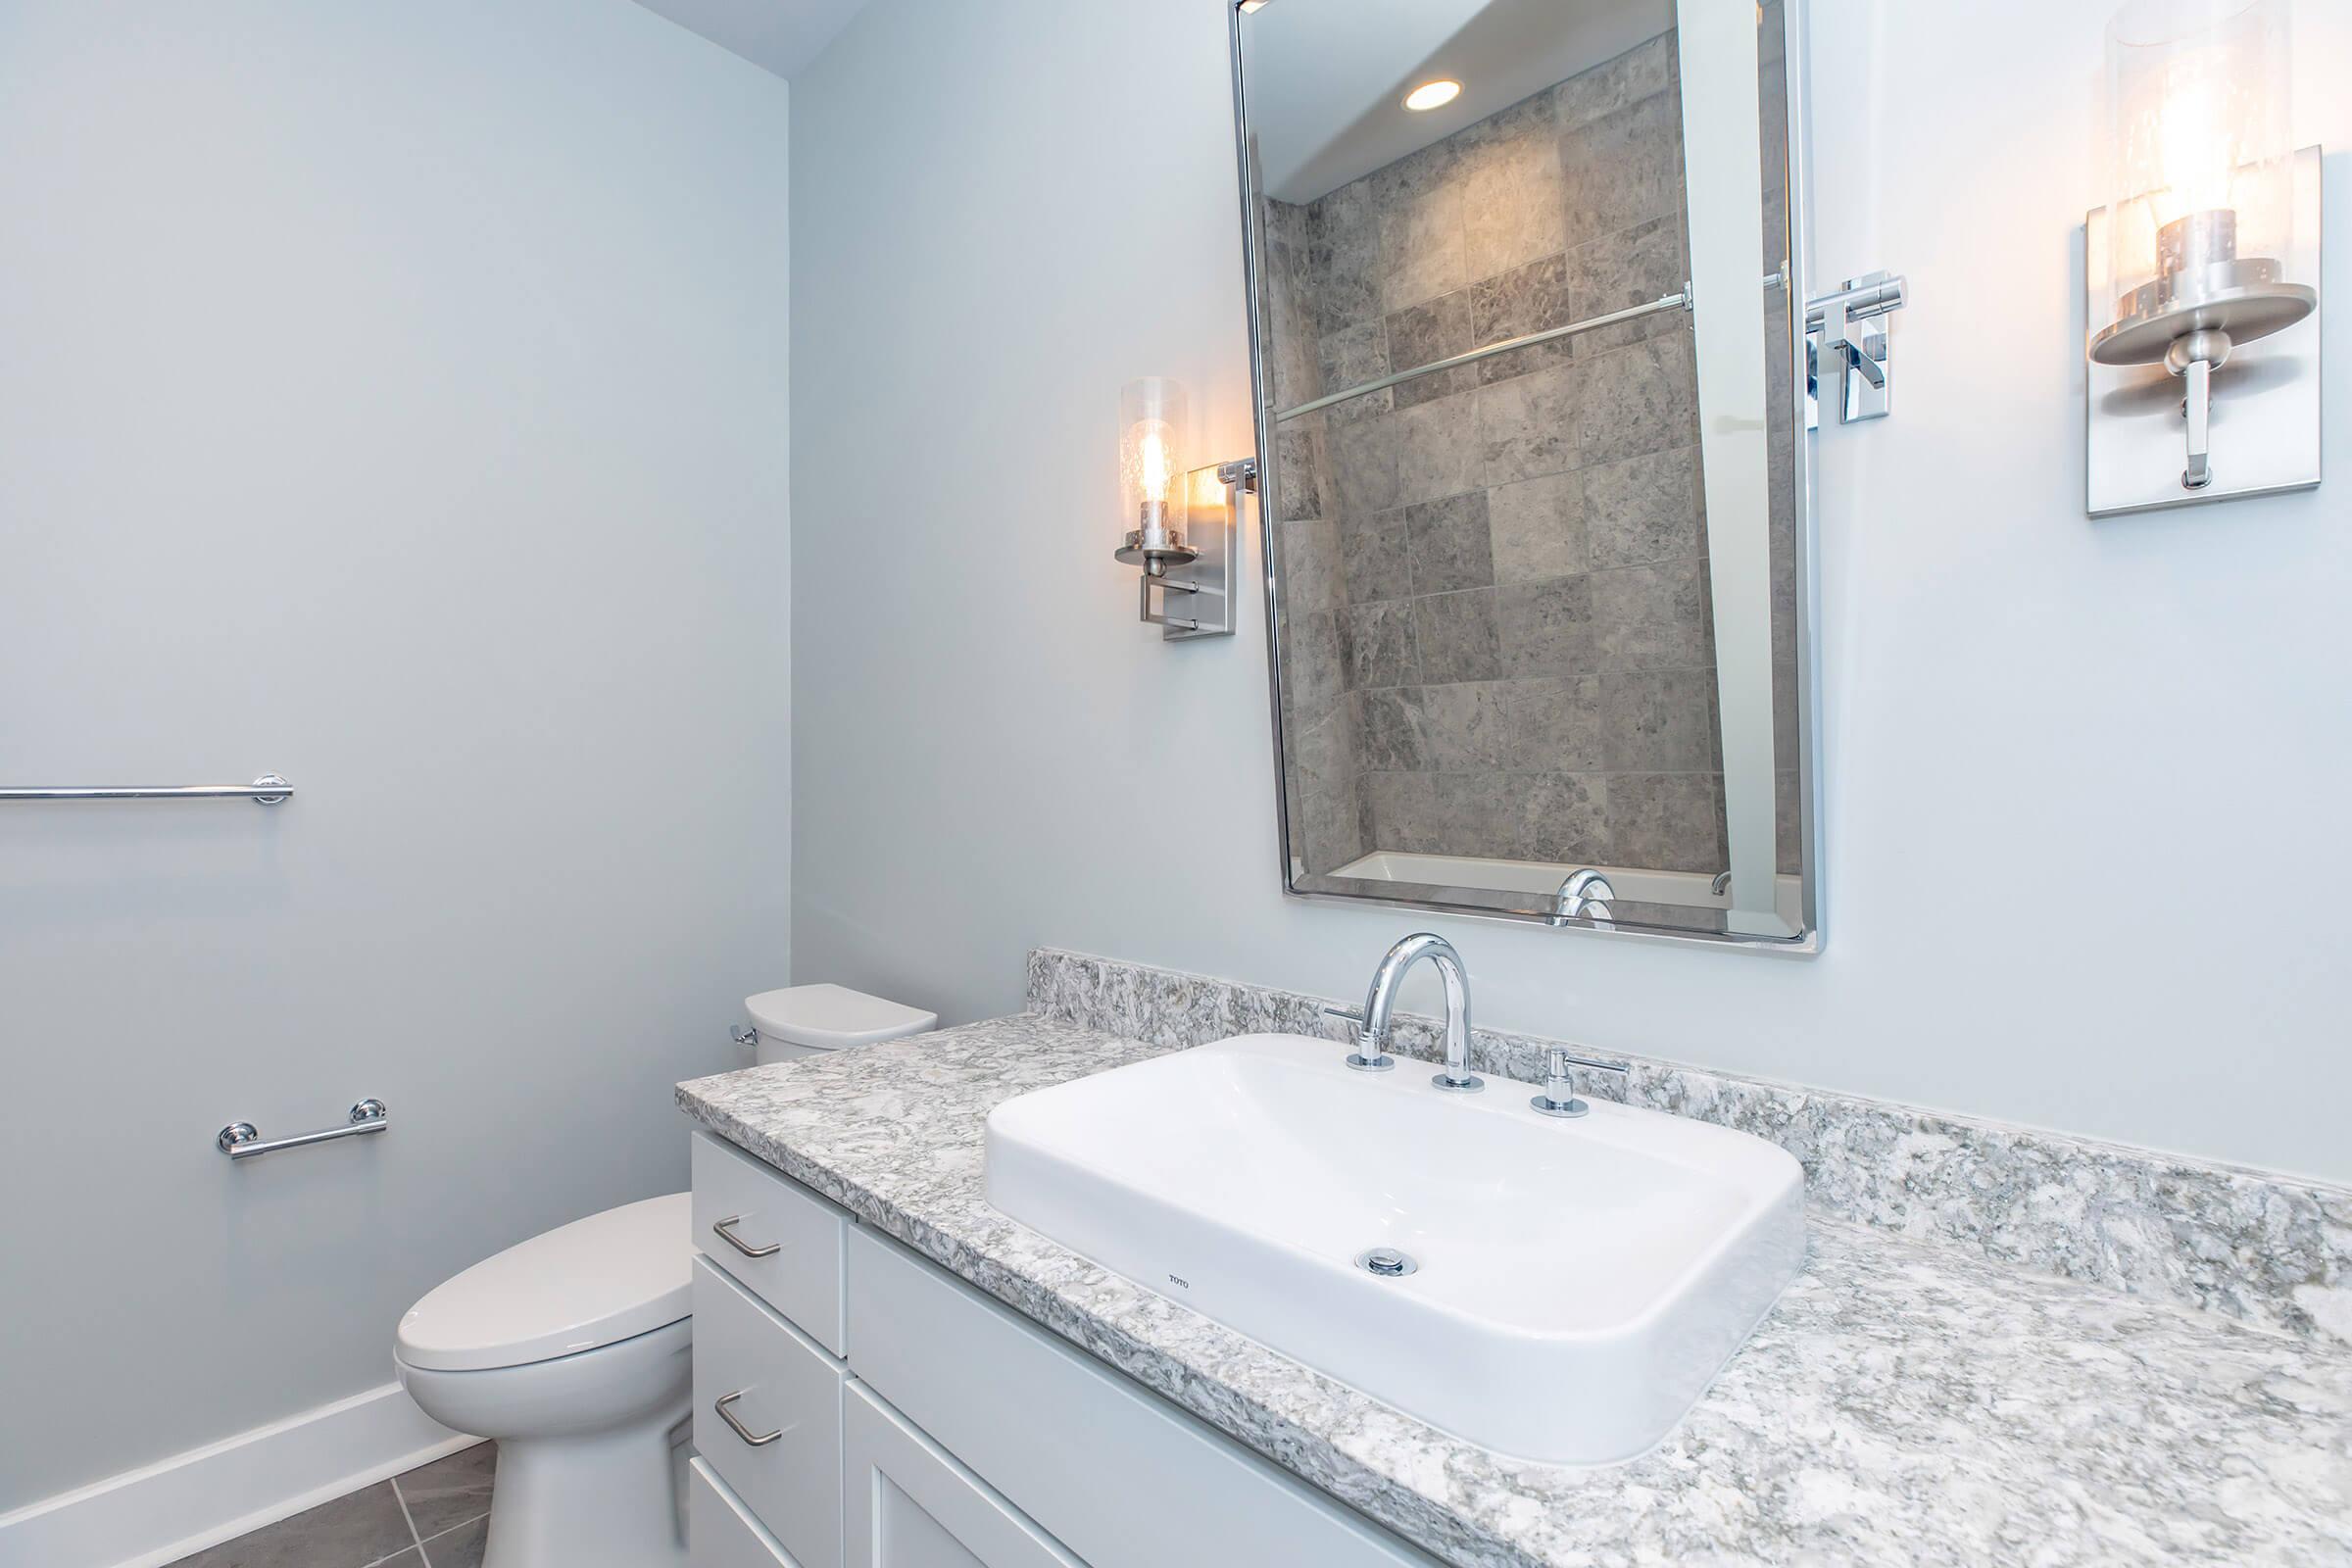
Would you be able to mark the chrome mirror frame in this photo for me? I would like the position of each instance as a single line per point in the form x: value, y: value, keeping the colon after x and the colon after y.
x: 1622, y: 919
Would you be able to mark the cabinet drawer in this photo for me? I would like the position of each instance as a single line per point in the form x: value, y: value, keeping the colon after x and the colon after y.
x: 908, y: 1505
x: 722, y: 1532
x: 751, y: 1366
x: 781, y: 1240
x: 1116, y: 1475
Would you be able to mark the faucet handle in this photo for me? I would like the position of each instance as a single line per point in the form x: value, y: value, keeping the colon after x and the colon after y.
x: 1367, y: 1056
x: 1558, y: 1097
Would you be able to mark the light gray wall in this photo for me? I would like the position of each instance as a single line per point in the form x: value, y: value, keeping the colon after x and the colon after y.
x: 2084, y: 784
x: 393, y: 397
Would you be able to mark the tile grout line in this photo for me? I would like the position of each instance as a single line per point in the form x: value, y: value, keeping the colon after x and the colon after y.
x: 416, y: 1540
x: 462, y: 1524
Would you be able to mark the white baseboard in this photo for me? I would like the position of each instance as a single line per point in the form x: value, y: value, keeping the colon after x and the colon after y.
x: 147, y: 1517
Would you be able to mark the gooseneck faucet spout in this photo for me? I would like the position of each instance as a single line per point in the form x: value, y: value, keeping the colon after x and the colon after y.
x: 1380, y: 1001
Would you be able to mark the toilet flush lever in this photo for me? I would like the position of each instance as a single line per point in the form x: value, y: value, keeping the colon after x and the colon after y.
x: 735, y: 1423
x: 724, y: 1230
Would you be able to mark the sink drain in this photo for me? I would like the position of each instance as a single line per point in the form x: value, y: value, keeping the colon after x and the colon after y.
x: 1387, y: 1262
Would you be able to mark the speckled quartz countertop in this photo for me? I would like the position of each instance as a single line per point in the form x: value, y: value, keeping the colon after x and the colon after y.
x: 1906, y: 1402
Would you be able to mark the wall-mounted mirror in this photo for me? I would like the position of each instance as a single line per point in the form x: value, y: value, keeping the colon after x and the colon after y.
x: 1530, y: 426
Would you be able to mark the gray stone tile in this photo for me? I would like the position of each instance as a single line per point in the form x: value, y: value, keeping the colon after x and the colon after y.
x: 1564, y: 817
x: 1437, y: 454
x: 1421, y: 233
x: 1401, y: 810
x: 1420, y: 334
x: 1789, y: 823
x: 1787, y: 734
x: 1643, y: 509
x: 1313, y: 676
x: 1448, y: 544
x: 1666, y: 821
x: 1377, y: 645
x: 1660, y: 721
x: 350, y: 1531
x: 1477, y: 813
x: 1392, y: 734
x: 1298, y: 476
x: 1553, y: 724
x: 462, y: 1547
x: 1617, y: 271
x: 450, y: 1491
x: 1307, y: 556
x: 1623, y: 166
x: 1536, y: 528
x: 1463, y: 724
x: 1512, y: 191
x: 1546, y: 628
x: 1528, y: 426
x: 1526, y: 299
x: 1350, y: 357
x: 1642, y: 72
x: 1653, y: 617
x: 1363, y: 456
x: 1344, y: 256
x: 1457, y: 636
x: 1326, y: 830
x: 1638, y: 399
x: 1373, y: 560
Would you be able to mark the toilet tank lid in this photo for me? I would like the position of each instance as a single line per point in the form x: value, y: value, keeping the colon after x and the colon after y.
x: 827, y: 1017
x: 594, y: 1282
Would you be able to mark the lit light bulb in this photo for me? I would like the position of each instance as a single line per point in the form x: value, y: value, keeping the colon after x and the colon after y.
x: 1433, y: 94
x: 1152, y: 418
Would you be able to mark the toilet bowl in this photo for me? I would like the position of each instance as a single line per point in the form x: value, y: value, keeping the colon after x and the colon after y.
x: 574, y: 1351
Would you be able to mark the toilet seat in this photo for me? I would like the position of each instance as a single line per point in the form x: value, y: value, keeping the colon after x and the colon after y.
x: 594, y: 1282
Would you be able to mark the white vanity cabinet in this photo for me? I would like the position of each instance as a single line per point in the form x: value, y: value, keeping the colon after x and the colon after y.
x: 951, y: 1430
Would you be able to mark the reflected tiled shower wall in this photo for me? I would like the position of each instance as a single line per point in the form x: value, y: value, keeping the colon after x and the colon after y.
x: 1499, y: 639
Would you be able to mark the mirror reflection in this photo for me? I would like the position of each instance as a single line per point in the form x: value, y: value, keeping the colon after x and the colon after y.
x: 1532, y: 498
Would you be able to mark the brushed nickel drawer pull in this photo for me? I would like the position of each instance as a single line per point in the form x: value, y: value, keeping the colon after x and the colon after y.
x: 738, y: 1244
x: 737, y: 1427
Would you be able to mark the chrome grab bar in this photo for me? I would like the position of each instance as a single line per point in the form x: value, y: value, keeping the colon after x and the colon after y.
x: 735, y: 1424
x: 726, y: 1232
x: 240, y: 1141
x: 267, y: 789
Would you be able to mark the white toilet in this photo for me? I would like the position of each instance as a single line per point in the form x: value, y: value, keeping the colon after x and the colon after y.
x: 574, y: 1349
x: 803, y: 1020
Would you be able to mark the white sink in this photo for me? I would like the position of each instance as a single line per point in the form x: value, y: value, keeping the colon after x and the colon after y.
x: 1576, y: 1282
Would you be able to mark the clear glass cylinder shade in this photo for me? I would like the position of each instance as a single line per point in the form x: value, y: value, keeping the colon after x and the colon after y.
x: 2199, y: 141
x: 1151, y: 482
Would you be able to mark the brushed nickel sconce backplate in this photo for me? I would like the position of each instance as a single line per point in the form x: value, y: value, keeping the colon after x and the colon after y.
x: 1193, y: 573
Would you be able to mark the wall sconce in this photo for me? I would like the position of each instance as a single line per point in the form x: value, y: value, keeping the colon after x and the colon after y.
x: 2209, y: 241
x: 1186, y: 520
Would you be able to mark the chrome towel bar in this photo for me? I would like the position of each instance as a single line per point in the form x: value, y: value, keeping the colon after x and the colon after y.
x: 267, y: 789
x: 240, y: 1141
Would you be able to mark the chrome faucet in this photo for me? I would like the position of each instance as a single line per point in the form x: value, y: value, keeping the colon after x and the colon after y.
x: 1586, y: 892
x: 1372, y: 1023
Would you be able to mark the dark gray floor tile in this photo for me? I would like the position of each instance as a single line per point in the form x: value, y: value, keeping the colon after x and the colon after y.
x: 352, y: 1531
x: 450, y: 1491
x: 410, y: 1559
x: 460, y: 1548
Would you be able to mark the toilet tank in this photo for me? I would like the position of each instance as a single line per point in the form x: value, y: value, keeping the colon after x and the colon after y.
x: 803, y: 1020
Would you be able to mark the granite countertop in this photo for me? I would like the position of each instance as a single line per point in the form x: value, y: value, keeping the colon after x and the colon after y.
x: 1906, y: 1402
